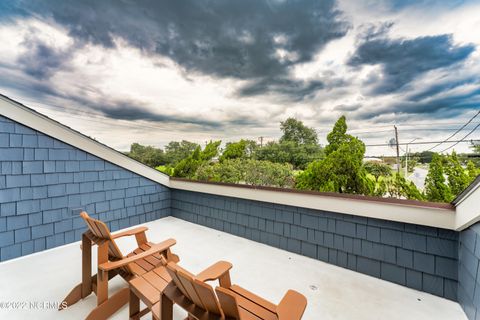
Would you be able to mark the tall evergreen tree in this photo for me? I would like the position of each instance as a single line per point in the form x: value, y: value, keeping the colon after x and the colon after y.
x: 457, y: 176
x: 436, y: 188
x: 473, y: 171
x: 187, y: 167
x: 342, y: 168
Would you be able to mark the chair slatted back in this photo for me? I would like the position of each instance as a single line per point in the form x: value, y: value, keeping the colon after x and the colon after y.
x: 208, y: 297
x: 198, y: 292
x: 172, y: 271
x: 101, y: 231
x: 187, y: 281
x: 228, y: 302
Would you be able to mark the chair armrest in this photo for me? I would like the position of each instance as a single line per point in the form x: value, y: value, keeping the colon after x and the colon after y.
x: 292, y: 306
x: 215, y: 271
x: 162, y: 246
x: 130, y: 232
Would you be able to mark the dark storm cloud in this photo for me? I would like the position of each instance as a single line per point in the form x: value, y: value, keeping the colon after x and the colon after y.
x: 427, y: 103
x: 10, y: 9
x: 295, y: 90
x: 41, y: 60
x: 124, y: 109
x: 348, y: 107
x: 224, y: 39
x: 454, y: 103
x: 403, y: 4
x: 403, y: 60
x: 438, y: 88
x: 132, y: 110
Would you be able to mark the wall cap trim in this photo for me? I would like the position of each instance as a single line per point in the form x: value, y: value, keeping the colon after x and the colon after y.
x: 401, y: 202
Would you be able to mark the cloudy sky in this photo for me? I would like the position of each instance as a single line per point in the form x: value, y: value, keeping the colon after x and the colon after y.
x: 155, y: 71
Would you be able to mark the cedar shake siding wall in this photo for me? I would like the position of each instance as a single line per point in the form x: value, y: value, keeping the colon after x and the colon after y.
x: 469, y: 272
x: 423, y: 258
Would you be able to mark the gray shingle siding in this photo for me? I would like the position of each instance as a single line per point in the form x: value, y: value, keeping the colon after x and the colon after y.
x: 45, y: 183
x: 469, y: 271
x: 418, y: 257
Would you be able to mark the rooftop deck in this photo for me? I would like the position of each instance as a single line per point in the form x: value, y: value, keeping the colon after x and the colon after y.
x: 332, y: 292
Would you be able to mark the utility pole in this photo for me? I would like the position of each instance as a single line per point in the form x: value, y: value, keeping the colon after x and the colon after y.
x: 406, y: 156
x: 398, y: 149
x: 406, y: 161
x: 261, y: 141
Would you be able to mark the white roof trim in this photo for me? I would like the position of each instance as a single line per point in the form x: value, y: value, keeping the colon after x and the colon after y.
x: 30, y: 118
x: 468, y: 209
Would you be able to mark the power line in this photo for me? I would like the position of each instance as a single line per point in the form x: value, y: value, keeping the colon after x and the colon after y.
x: 419, y: 156
x: 466, y: 124
x: 408, y: 130
x: 478, y: 125
x: 425, y: 142
x: 400, y: 126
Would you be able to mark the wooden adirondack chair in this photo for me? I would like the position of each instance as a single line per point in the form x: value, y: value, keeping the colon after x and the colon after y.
x: 233, y: 302
x: 112, y: 262
x: 193, y: 294
x: 151, y: 286
x: 240, y: 304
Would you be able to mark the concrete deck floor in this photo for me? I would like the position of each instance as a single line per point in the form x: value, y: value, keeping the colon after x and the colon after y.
x: 332, y: 292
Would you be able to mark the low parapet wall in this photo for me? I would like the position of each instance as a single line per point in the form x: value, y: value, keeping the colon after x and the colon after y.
x: 419, y: 257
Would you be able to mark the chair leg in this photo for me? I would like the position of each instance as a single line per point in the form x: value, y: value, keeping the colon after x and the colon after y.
x: 134, y: 306
x: 84, y: 289
x: 102, y: 276
x: 166, y: 308
x: 73, y: 297
x: 78, y: 293
x: 86, y: 266
x: 110, y: 306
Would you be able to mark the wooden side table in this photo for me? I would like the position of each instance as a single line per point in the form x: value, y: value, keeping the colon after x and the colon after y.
x: 149, y: 288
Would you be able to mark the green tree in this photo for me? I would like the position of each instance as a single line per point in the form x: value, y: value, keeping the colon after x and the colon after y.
x: 187, y: 167
x: 436, y: 188
x: 338, y: 136
x: 210, y: 151
x: 398, y: 187
x: 168, y: 170
x: 229, y: 171
x: 458, y: 178
x: 473, y: 171
x: 147, y: 155
x: 247, y: 171
x: 412, y: 162
x: 342, y: 168
x: 377, y: 169
x: 276, y: 152
x: 290, y: 152
x: 243, y: 149
x: 176, y: 151
x: 423, y: 157
x: 294, y: 130
x: 297, y: 146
